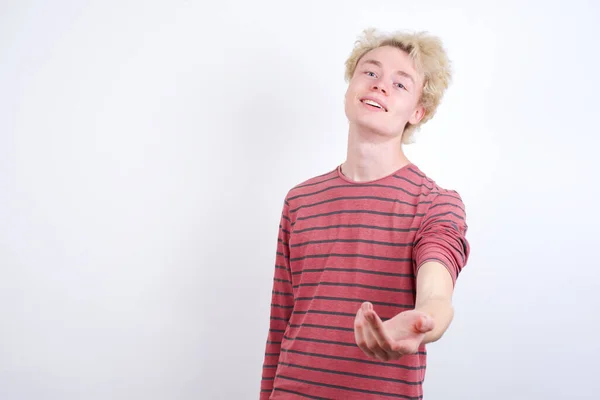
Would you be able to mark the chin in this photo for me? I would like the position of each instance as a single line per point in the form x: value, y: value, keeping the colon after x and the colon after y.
x: 376, y: 127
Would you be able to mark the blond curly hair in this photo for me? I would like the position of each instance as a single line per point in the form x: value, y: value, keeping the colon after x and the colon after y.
x: 429, y: 56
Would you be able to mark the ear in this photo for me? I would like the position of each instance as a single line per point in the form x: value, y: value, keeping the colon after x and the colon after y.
x: 417, y: 115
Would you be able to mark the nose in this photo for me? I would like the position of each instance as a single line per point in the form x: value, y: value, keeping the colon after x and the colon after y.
x: 379, y: 87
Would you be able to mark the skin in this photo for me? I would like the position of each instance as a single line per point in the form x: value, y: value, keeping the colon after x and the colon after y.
x: 388, y: 76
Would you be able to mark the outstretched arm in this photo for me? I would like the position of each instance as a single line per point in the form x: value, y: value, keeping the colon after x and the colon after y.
x: 404, y: 333
x: 440, y: 252
x: 434, y: 298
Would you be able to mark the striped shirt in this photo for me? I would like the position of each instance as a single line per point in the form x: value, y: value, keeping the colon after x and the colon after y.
x: 342, y: 243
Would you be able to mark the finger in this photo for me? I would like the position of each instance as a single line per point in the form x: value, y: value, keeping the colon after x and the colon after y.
x: 395, y: 355
x: 365, y: 338
x: 380, y: 334
x: 425, y: 324
x: 386, y: 345
x: 374, y: 346
x: 359, y: 334
x: 408, y: 346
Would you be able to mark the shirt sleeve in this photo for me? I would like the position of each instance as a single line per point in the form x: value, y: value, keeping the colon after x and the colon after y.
x: 442, y: 234
x: 282, y: 304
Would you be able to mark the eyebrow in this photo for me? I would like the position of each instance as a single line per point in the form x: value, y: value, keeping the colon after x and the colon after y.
x: 399, y: 72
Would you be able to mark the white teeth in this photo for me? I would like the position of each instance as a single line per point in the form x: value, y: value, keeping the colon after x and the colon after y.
x: 371, y: 102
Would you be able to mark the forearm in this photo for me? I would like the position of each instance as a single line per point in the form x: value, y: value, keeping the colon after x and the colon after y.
x: 442, y: 312
x: 434, y: 298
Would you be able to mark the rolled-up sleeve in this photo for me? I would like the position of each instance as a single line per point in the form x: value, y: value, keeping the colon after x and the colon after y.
x: 442, y: 235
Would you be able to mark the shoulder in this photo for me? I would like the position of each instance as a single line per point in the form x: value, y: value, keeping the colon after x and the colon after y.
x: 435, y: 194
x: 430, y: 183
x: 312, y: 184
x: 443, y: 208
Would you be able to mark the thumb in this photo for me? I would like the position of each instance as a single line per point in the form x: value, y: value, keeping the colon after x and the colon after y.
x: 425, y: 324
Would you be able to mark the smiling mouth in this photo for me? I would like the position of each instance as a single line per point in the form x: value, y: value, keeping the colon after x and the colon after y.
x: 374, y: 104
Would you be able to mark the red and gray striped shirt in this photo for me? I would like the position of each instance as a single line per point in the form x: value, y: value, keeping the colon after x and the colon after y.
x: 342, y: 243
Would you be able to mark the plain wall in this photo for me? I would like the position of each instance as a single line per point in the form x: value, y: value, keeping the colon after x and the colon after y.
x: 146, y: 147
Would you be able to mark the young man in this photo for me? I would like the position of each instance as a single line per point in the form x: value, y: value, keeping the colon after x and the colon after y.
x: 368, y: 253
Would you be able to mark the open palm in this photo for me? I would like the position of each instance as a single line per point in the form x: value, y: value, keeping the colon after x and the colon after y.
x: 390, y: 340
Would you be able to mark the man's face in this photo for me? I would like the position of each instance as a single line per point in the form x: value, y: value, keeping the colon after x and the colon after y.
x: 384, y: 92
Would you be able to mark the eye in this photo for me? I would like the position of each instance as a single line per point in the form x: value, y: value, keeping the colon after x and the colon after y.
x: 370, y: 73
x: 401, y: 86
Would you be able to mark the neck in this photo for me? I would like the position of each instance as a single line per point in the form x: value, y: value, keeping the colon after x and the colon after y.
x: 371, y: 156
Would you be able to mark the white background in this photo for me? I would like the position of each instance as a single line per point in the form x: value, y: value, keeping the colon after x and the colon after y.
x: 146, y: 147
